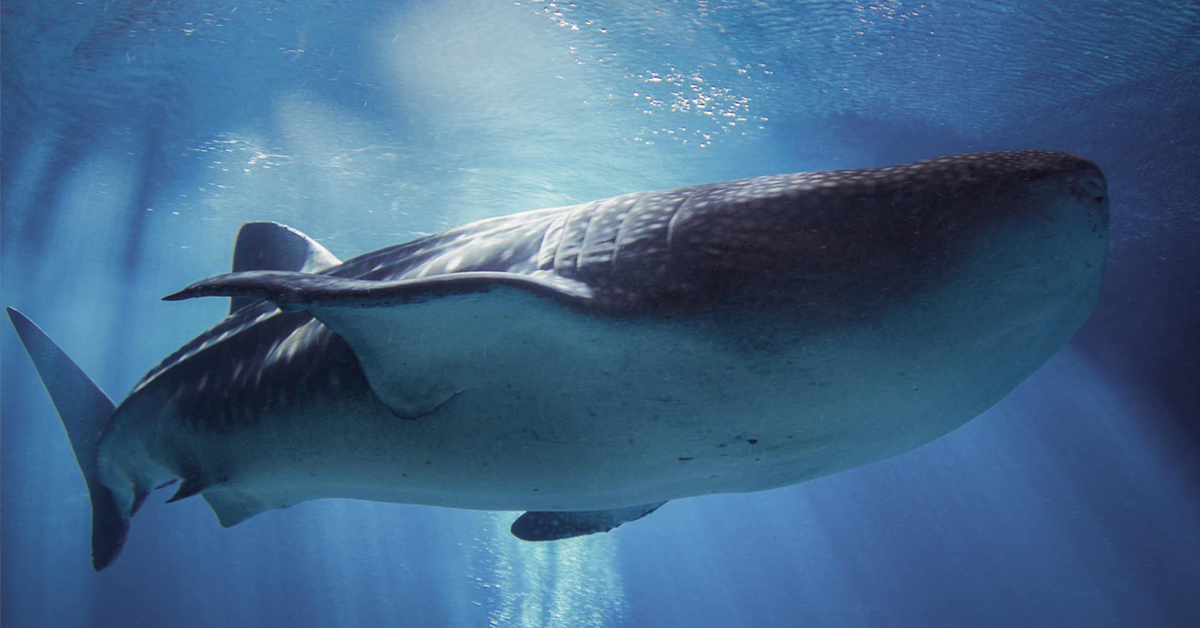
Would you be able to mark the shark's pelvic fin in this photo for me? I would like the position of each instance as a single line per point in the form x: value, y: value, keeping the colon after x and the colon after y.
x: 190, y: 486
x: 275, y: 246
x: 552, y: 526
x: 84, y: 410
x: 233, y: 507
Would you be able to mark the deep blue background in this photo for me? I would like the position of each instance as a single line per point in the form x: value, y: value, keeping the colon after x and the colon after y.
x: 137, y: 137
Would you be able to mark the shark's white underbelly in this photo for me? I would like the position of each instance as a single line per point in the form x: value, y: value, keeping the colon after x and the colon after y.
x: 585, y: 421
x: 562, y: 411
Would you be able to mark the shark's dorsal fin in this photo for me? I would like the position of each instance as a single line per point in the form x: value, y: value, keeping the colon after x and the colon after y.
x: 275, y: 246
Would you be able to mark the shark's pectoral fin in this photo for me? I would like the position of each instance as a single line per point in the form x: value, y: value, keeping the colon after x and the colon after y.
x: 275, y: 246
x: 419, y: 341
x: 295, y: 291
x: 552, y: 526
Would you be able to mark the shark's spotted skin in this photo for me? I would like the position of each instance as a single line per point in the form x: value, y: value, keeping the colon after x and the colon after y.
x: 588, y: 363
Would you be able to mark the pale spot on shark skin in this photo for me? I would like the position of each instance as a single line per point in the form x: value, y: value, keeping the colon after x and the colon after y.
x: 224, y: 336
x: 295, y: 342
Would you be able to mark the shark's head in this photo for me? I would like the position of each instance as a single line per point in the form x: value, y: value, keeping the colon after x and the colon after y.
x: 857, y: 243
x: 947, y: 281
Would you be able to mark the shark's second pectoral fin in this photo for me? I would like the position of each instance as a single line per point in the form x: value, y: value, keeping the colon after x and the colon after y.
x: 420, y: 341
x: 552, y: 526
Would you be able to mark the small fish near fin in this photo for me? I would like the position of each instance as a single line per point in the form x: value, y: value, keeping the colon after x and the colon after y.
x: 84, y: 410
x: 276, y: 246
x: 469, y: 316
x: 552, y: 526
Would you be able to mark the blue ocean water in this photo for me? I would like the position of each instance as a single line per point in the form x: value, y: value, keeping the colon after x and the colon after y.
x: 138, y: 136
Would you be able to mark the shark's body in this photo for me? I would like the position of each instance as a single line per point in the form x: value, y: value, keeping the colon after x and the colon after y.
x: 589, y: 363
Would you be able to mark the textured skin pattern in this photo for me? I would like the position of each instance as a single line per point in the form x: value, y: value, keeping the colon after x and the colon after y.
x: 588, y: 363
x: 843, y: 233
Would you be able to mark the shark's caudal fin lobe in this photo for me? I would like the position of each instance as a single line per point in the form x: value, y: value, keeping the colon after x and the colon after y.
x: 275, y: 246
x: 553, y: 526
x: 84, y: 410
x: 109, y: 526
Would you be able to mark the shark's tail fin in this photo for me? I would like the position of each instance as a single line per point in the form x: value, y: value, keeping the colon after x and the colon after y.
x: 85, y: 410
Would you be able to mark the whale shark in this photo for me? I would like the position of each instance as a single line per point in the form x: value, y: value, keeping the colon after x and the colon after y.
x: 587, y: 364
